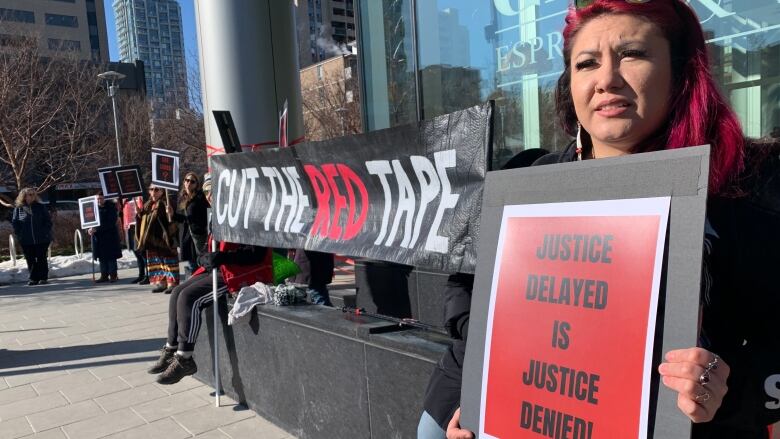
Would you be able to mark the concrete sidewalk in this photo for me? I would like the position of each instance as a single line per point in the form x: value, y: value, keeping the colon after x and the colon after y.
x: 73, y: 359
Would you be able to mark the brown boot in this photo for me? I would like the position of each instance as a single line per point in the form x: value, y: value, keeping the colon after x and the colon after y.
x: 113, y: 278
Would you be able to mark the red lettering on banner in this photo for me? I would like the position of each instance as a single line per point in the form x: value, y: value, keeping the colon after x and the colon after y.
x: 351, y: 179
x: 327, y: 222
x: 322, y: 192
x: 339, y: 201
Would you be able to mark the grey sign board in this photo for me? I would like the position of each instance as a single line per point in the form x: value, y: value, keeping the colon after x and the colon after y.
x: 681, y: 174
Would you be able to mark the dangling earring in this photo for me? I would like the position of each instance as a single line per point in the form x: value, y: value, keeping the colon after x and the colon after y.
x: 579, y: 142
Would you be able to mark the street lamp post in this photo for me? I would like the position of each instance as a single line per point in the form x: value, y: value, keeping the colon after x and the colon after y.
x: 111, y: 77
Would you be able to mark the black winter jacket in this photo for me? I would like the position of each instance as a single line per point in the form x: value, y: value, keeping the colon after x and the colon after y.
x: 193, y: 229
x: 32, y: 224
x: 106, y: 238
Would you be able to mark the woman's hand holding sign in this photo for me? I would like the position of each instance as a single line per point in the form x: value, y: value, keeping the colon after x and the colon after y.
x: 699, y: 377
x: 453, y: 428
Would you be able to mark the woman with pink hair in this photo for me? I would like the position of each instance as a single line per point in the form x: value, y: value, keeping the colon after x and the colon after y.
x: 636, y: 79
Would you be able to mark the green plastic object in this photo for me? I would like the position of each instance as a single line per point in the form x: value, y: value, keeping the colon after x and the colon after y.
x: 283, y: 268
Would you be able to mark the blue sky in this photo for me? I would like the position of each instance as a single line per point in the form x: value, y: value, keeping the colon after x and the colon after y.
x: 188, y: 21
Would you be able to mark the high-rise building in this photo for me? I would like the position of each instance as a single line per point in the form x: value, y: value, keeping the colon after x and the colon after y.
x: 62, y: 26
x: 151, y: 31
x: 325, y: 28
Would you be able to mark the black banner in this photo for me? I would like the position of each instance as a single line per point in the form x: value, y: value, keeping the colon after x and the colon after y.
x: 410, y: 194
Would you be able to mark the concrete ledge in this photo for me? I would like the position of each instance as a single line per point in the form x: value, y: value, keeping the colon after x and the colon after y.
x: 319, y: 373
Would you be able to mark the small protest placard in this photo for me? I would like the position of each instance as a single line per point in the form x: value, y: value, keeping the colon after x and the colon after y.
x: 121, y: 181
x: 88, y: 212
x: 130, y: 184
x: 109, y: 182
x: 165, y: 168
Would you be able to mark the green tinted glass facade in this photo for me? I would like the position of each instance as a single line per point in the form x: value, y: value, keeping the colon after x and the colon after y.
x: 423, y: 58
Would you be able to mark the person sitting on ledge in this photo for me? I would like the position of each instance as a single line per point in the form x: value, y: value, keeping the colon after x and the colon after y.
x: 239, y: 266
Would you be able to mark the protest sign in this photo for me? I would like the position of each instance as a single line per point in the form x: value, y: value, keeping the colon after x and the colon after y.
x: 165, y: 168
x: 409, y: 194
x: 130, y: 184
x: 576, y: 306
x: 121, y: 181
x: 576, y: 280
x: 109, y: 182
x: 88, y: 212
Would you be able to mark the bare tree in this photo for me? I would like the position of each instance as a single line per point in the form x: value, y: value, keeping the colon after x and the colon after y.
x: 54, y: 116
x: 327, y: 110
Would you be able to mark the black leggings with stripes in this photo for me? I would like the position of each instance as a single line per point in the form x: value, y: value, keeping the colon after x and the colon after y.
x: 184, y: 309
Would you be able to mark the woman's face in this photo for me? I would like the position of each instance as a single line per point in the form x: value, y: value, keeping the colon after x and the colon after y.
x: 190, y: 183
x: 29, y: 197
x: 101, y: 201
x: 155, y: 193
x: 621, y: 79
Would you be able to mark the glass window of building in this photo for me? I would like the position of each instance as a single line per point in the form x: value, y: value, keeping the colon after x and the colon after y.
x: 452, y: 54
x: 64, y: 45
x: 62, y: 20
x: 388, y: 63
x: 17, y: 15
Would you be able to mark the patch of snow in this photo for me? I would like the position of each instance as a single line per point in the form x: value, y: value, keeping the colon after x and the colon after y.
x: 62, y: 266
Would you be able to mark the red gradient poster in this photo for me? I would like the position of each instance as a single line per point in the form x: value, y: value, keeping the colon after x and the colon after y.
x: 568, y: 349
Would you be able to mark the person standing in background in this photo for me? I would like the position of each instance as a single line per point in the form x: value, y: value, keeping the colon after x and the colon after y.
x: 105, y: 240
x: 156, y: 235
x: 131, y: 209
x: 32, y: 227
x: 191, y: 217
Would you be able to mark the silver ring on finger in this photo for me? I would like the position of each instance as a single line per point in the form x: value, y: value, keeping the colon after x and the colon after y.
x: 712, y: 365
x: 703, y: 397
x: 704, y: 378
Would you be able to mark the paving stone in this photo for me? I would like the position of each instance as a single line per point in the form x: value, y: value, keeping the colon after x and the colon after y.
x: 65, y: 382
x: 15, y: 428
x: 214, y: 434
x: 254, y: 428
x: 15, y: 394
x: 208, y: 418
x: 33, y: 377
x: 186, y: 384
x: 164, y: 428
x: 164, y: 407
x: 31, y: 405
x: 96, y: 389
x: 3, y: 384
x: 105, y: 425
x: 64, y: 415
x: 139, y: 378
x: 113, y: 370
x: 55, y: 433
x: 130, y: 397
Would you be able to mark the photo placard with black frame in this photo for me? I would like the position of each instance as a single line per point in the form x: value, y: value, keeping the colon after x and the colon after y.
x: 165, y: 169
x: 88, y: 212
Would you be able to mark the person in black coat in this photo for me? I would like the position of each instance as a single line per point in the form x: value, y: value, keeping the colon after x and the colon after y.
x: 442, y: 397
x: 32, y: 227
x: 105, y: 240
x: 192, y: 219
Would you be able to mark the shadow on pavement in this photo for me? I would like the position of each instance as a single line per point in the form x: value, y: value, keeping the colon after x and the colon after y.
x: 59, y: 286
x: 76, y: 365
x: 35, y: 357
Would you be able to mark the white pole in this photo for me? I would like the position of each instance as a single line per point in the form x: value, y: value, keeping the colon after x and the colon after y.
x: 216, y: 319
x: 112, y: 92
